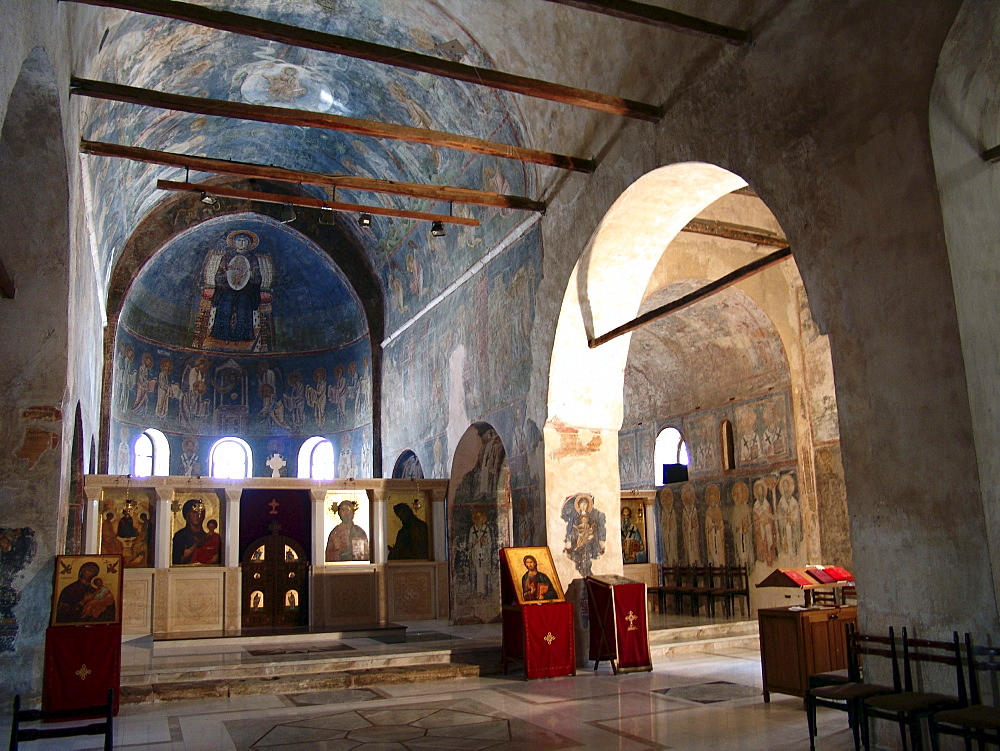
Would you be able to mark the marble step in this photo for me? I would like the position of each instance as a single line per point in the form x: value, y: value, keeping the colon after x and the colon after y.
x: 343, y: 680
x: 300, y: 660
x: 703, y: 632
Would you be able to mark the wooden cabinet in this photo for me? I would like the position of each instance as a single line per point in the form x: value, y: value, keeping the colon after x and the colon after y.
x: 795, y: 644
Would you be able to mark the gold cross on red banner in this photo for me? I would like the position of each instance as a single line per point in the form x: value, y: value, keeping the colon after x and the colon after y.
x: 83, y: 672
x: 274, y: 506
x: 549, y: 638
x: 631, y: 618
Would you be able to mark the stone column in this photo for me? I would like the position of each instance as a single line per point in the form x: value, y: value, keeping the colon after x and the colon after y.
x: 318, y: 527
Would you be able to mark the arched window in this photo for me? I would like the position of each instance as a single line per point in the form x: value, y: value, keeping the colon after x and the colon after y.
x: 316, y: 459
x: 231, y: 459
x: 152, y: 454
x: 669, y: 451
x: 728, y: 445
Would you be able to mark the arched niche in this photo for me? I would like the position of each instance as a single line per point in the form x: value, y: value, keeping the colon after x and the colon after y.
x: 479, y: 524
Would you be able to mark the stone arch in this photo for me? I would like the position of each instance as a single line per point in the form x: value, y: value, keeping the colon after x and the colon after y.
x: 479, y: 523
x: 604, y: 291
x: 628, y: 268
x: 408, y: 466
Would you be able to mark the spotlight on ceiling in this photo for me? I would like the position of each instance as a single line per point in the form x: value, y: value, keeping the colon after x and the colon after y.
x: 208, y: 200
x: 365, y: 220
x: 287, y: 214
x: 437, y: 229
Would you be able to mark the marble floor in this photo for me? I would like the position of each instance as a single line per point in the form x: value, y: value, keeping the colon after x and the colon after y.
x: 695, y: 700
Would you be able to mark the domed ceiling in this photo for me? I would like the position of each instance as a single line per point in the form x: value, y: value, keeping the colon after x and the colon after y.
x: 182, y: 58
x: 310, y: 305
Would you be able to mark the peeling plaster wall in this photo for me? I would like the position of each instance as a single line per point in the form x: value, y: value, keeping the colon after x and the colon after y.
x: 49, y: 362
x: 965, y: 121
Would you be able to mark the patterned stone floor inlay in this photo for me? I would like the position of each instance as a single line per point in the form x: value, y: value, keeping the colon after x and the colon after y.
x: 432, y: 725
x: 711, y: 693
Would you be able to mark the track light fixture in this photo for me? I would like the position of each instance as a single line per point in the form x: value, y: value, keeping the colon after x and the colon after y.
x: 287, y: 214
x: 437, y: 229
x: 365, y: 220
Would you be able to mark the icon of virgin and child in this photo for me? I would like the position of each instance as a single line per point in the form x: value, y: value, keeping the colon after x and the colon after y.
x: 196, y: 542
x: 88, y: 599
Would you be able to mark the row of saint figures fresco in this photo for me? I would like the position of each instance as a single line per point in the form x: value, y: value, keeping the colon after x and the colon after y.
x: 208, y: 392
x: 745, y: 532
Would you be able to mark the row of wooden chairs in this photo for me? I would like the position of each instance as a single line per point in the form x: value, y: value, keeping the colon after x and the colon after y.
x: 962, y: 714
x: 703, y: 584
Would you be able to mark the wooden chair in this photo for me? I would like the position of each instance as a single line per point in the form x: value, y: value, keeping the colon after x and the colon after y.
x: 703, y: 587
x: 849, y: 695
x: 907, y: 707
x: 977, y: 722
x: 736, y: 585
x: 687, y: 582
x: 666, y: 588
x: 105, y: 727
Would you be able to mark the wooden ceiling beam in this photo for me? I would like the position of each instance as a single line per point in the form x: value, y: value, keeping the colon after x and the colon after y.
x: 737, y: 275
x: 378, y: 53
x: 281, y: 174
x: 662, y: 17
x: 735, y: 232
x: 303, y: 118
x: 310, y: 202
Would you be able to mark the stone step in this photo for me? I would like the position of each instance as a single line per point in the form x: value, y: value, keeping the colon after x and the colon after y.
x: 703, y: 632
x: 302, y: 683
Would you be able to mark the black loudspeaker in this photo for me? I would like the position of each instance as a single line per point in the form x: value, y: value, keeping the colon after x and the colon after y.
x: 674, y: 473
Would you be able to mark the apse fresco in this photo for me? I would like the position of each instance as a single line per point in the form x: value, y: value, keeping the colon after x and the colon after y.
x: 240, y: 326
x: 157, y: 54
x: 243, y: 284
x: 201, y: 393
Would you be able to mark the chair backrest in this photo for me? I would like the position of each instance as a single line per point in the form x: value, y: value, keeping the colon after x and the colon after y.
x: 926, y: 650
x: 876, y: 646
x: 979, y: 659
x: 668, y: 576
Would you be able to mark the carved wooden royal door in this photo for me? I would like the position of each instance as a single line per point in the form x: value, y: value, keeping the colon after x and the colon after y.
x: 275, y: 583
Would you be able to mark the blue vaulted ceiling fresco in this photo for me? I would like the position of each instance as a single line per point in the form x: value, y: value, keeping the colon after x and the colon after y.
x: 182, y: 58
x: 241, y: 326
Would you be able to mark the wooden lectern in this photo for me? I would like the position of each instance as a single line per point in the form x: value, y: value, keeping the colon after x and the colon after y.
x: 619, y: 631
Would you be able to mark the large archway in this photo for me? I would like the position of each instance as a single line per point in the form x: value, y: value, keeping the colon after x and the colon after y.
x: 479, y: 524
x: 748, y: 360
